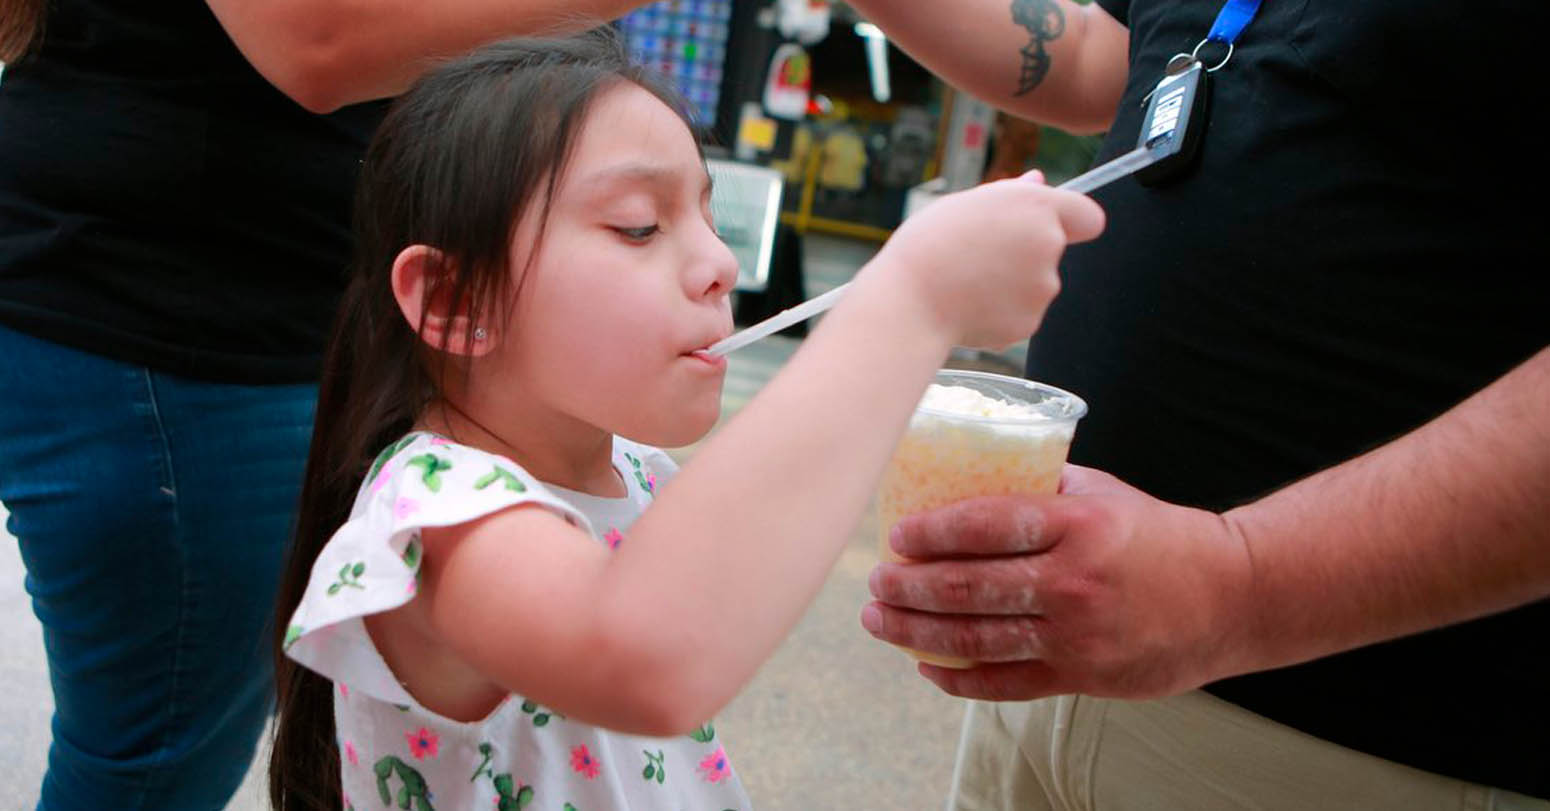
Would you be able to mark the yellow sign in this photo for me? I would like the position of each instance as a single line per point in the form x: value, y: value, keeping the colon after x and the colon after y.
x: 757, y: 132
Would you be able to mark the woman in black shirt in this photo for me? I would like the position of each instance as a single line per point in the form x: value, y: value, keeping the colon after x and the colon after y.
x: 174, y: 206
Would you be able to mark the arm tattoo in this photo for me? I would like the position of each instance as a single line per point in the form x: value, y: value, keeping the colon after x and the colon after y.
x: 1046, y: 22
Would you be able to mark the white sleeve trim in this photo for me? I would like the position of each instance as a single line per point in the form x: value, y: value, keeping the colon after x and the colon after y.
x: 371, y: 564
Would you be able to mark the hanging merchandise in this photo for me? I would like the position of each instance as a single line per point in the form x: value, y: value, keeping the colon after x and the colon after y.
x: 968, y: 134
x: 844, y: 161
x: 910, y: 141
x: 789, y: 83
x: 806, y: 21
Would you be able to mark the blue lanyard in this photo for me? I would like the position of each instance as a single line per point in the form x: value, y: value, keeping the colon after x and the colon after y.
x: 1231, y: 20
x: 1174, y: 122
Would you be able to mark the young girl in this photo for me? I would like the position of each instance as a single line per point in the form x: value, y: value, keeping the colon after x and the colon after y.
x: 519, y: 590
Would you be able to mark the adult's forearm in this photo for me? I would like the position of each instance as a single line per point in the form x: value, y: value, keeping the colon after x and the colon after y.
x: 1447, y: 523
x: 328, y: 54
x: 1051, y: 61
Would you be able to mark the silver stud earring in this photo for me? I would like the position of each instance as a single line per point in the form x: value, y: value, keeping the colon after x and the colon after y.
x: 479, y: 333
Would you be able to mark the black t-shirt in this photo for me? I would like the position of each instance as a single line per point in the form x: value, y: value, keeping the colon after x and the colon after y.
x: 1356, y: 252
x: 161, y: 203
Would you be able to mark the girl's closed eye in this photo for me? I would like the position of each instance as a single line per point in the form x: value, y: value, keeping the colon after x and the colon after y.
x: 638, y: 234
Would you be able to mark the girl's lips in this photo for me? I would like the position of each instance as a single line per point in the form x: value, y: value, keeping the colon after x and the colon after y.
x: 704, y: 356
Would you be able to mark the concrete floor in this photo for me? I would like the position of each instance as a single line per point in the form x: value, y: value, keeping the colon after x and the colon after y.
x: 835, y: 720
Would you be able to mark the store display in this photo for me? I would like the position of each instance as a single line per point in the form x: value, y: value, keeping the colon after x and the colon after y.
x: 788, y: 85
x: 687, y: 41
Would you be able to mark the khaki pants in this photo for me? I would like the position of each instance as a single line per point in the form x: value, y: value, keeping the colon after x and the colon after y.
x: 1193, y: 751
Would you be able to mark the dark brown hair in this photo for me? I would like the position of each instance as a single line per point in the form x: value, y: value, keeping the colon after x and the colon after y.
x: 21, y: 21
x: 456, y: 162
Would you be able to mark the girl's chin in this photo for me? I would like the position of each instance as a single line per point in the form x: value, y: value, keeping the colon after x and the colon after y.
x: 685, y: 428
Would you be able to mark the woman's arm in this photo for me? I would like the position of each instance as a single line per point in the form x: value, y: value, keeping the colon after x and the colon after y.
x: 326, y: 54
x: 1051, y: 61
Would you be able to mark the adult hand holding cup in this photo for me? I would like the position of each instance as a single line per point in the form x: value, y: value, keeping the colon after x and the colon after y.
x: 976, y: 434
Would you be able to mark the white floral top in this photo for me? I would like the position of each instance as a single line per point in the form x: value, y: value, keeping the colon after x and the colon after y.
x: 394, y: 753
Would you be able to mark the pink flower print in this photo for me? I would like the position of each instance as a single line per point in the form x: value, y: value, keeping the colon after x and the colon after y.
x: 582, y: 762
x: 344, y: 689
x: 614, y: 538
x: 405, y: 508
x: 440, y: 440
x: 715, y: 766
x: 383, y: 475
x: 422, y: 743
x: 651, y: 483
x: 413, y: 587
x: 350, y: 754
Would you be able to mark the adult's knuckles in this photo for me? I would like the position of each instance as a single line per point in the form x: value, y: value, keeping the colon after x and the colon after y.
x: 1066, y: 593
x: 991, y: 525
x: 1013, y: 639
x: 894, y: 584
x: 958, y: 590
x: 967, y: 639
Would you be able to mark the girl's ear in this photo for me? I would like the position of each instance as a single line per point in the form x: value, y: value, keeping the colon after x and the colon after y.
x: 425, y: 299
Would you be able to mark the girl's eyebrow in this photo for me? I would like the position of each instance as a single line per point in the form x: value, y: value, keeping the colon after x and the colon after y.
x: 660, y: 176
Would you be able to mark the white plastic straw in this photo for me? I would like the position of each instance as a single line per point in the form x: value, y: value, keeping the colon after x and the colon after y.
x: 1099, y: 176
x: 1084, y: 183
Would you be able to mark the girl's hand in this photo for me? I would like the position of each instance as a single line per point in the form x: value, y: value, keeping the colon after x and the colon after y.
x: 984, y: 260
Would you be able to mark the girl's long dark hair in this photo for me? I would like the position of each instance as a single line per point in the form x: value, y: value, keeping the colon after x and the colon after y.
x: 454, y: 165
x: 21, y: 21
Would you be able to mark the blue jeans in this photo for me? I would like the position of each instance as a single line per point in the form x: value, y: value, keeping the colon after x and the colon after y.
x: 153, y: 513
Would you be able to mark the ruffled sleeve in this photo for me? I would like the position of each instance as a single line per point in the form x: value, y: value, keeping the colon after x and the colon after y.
x: 650, y: 467
x: 372, y: 563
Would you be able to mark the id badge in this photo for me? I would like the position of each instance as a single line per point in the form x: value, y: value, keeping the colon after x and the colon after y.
x: 1175, y: 120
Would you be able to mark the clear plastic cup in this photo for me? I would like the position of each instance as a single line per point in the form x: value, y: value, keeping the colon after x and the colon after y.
x: 948, y: 455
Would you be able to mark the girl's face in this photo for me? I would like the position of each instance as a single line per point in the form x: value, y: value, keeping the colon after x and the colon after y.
x: 630, y: 281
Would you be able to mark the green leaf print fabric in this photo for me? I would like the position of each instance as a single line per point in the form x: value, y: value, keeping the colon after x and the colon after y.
x: 394, y: 753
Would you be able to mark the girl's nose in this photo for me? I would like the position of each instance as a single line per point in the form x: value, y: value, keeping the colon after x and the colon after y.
x: 718, y: 267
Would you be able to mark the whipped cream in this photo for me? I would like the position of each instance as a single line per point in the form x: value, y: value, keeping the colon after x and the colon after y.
x: 960, y: 400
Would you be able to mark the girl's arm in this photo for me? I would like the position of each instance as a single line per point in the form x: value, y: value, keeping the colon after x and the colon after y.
x: 658, y: 636
x: 325, y: 54
x: 1051, y: 61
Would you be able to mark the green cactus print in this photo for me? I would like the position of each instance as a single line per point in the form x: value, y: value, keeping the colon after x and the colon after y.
x: 487, y: 751
x: 655, y: 768
x: 511, y: 796
x: 501, y: 475
x: 414, y: 791
x: 292, y: 634
x: 705, y: 734
x: 509, y: 801
x: 349, y: 576
x: 412, y: 553
x: 433, y: 465
x: 388, y: 453
x: 645, y: 484
x: 539, y: 718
